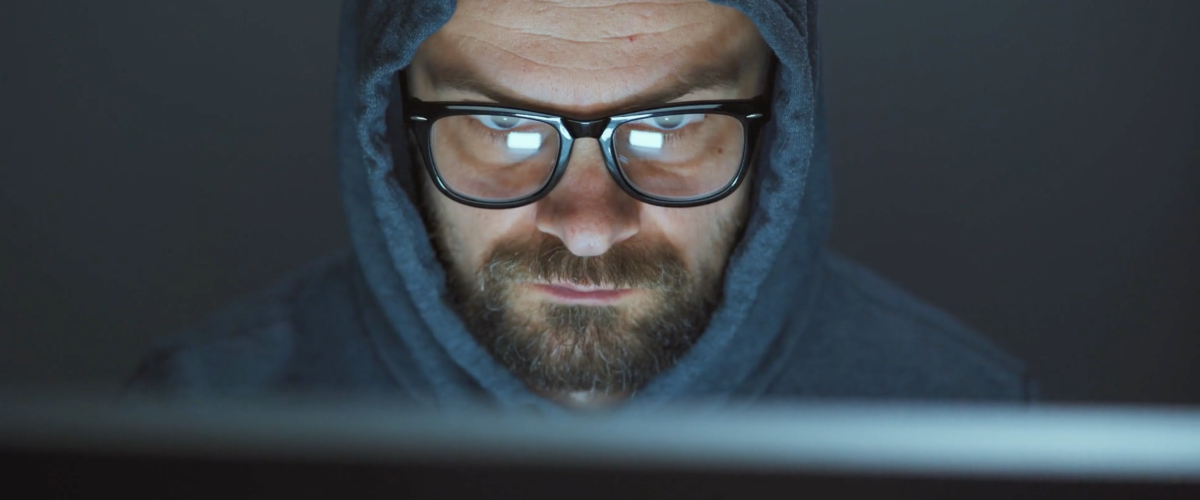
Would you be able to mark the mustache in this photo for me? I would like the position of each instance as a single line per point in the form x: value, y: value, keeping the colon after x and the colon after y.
x: 626, y: 265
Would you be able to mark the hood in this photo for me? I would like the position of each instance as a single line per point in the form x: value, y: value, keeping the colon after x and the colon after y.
x: 771, y: 279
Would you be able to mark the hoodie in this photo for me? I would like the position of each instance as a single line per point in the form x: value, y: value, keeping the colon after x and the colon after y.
x: 796, y: 321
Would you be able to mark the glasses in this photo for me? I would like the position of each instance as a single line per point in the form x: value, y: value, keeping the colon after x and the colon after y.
x: 681, y: 155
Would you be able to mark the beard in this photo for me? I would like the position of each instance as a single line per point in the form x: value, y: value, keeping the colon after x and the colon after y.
x: 563, y: 348
x: 557, y: 348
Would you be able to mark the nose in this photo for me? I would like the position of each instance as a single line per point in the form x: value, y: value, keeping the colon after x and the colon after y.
x: 587, y: 211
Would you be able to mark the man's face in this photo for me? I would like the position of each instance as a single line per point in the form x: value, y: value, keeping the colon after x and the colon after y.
x: 587, y: 289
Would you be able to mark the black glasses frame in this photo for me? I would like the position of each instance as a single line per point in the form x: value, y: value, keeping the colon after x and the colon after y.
x: 752, y: 113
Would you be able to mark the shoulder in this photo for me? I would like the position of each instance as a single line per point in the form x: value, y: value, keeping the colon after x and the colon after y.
x: 869, y: 338
x: 251, y: 346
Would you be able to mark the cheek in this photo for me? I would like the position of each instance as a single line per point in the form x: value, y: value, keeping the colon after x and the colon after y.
x: 471, y: 233
x: 700, y: 233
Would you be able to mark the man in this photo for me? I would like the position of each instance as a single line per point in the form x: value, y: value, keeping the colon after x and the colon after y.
x: 583, y: 204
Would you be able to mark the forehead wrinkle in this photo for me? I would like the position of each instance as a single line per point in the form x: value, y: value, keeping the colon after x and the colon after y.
x: 728, y: 60
x: 612, y: 61
x: 611, y: 54
x: 597, y: 39
x: 575, y: 23
x: 586, y: 100
x: 549, y: 66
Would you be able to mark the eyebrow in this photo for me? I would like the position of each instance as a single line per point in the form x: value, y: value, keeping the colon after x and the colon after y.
x: 706, y: 77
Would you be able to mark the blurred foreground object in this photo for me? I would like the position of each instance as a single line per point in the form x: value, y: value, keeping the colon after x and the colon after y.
x: 75, y: 447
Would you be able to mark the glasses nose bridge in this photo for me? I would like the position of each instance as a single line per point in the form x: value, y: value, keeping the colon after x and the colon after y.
x: 590, y: 129
x: 580, y: 129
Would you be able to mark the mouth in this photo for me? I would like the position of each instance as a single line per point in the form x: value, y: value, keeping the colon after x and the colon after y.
x: 574, y: 293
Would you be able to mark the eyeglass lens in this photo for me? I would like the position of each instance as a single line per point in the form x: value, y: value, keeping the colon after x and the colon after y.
x: 503, y: 158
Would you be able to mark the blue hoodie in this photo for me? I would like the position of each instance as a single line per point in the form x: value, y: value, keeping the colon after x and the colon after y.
x: 796, y: 321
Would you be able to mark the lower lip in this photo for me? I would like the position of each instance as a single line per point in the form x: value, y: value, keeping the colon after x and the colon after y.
x: 584, y: 297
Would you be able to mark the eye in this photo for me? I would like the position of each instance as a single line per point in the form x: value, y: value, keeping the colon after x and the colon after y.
x: 672, y: 122
x: 497, y: 122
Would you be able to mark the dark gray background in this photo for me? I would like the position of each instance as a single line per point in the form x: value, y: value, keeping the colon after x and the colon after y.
x: 1028, y: 165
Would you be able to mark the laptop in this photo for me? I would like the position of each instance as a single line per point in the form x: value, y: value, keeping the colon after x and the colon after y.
x: 78, y: 447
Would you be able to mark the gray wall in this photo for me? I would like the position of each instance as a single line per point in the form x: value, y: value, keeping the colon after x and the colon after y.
x: 1028, y: 165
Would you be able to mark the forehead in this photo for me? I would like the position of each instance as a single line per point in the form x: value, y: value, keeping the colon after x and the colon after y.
x: 586, y: 54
